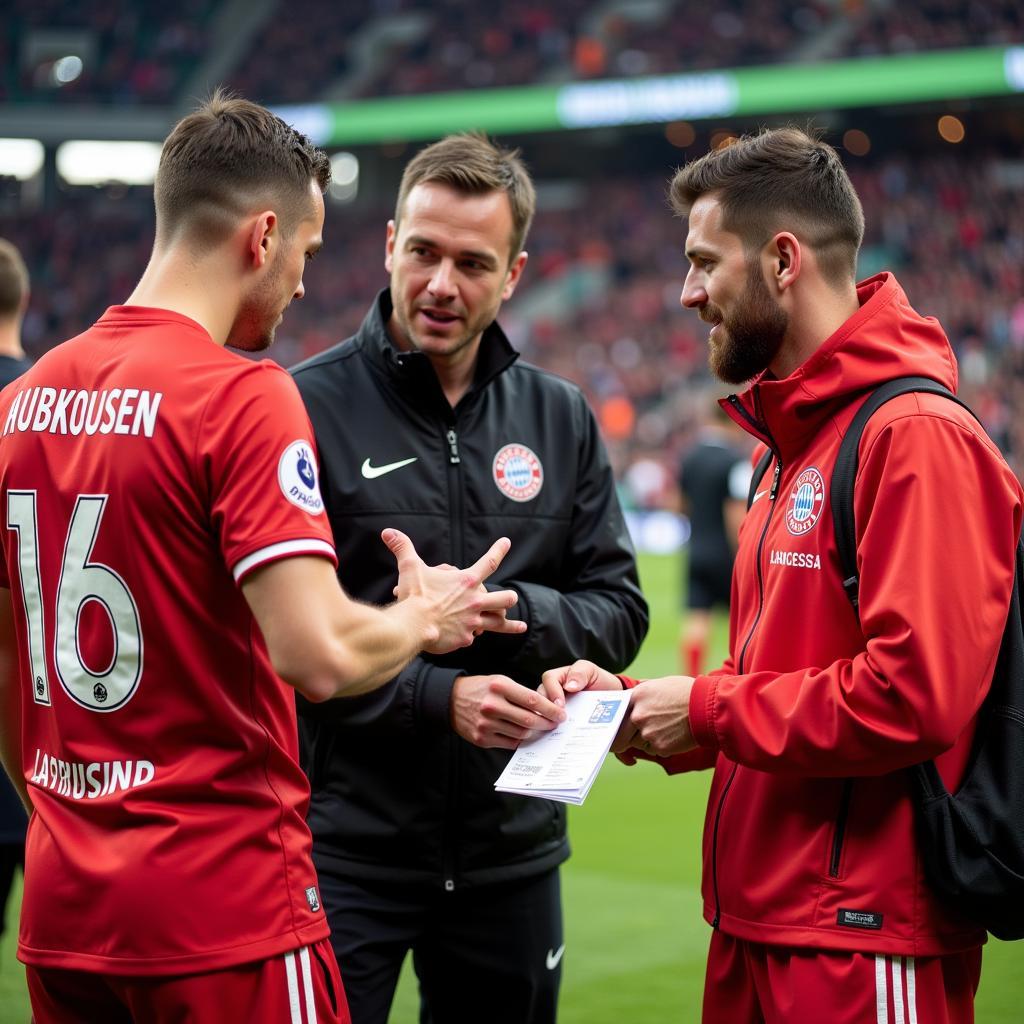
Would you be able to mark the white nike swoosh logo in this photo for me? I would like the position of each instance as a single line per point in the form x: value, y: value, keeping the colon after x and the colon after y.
x: 372, y: 472
x: 760, y: 494
x: 554, y: 956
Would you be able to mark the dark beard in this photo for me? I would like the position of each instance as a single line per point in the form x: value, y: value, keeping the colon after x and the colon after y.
x: 753, y: 334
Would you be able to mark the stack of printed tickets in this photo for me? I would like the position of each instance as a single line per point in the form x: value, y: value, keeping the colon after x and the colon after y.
x: 563, y: 763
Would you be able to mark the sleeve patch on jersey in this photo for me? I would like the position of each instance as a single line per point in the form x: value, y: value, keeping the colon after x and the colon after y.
x: 299, y: 479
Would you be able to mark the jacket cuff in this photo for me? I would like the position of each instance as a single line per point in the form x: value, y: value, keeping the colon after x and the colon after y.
x: 435, y: 696
x: 703, y: 697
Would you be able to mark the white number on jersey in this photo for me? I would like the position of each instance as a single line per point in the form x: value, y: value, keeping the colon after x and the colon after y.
x: 81, y: 581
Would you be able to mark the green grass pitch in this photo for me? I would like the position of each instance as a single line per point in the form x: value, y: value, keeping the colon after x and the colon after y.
x: 635, y: 938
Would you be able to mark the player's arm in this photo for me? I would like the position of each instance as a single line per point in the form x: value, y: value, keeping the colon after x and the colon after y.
x: 325, y: 644
x: 10, y: 700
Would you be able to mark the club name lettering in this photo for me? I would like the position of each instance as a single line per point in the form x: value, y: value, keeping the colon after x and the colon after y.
x: 70, y: 411
x: 79, y: 781
x: 799, y: 559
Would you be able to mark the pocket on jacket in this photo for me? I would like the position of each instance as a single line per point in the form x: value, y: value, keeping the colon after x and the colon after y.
x: 835, y: 860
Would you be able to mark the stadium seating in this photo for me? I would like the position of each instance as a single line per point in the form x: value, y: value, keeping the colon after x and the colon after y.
x: 149, y: 53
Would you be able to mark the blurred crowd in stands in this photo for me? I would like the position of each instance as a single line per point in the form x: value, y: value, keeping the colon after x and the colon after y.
x: 599, y: 300
x: 146, y: 52
x: 130, y: 52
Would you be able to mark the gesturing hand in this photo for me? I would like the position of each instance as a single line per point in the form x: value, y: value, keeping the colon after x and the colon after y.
x: 456, y: 605
x: 496, y: 711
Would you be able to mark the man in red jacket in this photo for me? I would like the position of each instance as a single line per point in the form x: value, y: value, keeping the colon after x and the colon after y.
x: 812, y: 877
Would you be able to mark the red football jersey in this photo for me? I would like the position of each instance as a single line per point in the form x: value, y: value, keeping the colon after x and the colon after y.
x: 144, y: 470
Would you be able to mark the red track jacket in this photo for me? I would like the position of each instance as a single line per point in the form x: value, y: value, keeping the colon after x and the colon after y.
x: 809, y: 836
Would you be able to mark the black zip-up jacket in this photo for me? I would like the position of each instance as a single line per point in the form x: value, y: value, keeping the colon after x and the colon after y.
x: 397, y: 793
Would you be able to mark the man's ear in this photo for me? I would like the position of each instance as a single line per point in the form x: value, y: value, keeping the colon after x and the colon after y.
x: 513, y: 274
x: 389, y: 246
x: 785, y: 258
x: 263, y: 237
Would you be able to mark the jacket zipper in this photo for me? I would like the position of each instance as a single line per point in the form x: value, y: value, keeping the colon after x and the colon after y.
x: 458, y: 558
x: 760, y: 552
x: 772, y: 493
x: 840, y: 833
x: 714, y: 846
x: 453, y: 447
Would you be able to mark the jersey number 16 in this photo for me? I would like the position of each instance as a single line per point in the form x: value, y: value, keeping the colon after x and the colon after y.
x: 81, y: 581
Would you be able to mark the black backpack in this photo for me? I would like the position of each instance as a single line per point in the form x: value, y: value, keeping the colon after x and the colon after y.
x: 972, y: 841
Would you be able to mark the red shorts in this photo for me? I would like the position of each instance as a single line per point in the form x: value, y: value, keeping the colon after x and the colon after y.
x: 751, y: 983
x: 302, y: 987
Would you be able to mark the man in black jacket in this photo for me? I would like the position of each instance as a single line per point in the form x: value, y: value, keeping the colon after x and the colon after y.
x: 426, y: 422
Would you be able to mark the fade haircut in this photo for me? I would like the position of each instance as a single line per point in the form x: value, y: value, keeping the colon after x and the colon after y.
x: 13, y: 280
x: 225, y: 160
x: 780, y: 180
x: 472, y: 165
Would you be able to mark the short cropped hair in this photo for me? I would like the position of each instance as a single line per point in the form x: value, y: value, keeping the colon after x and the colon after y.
x: 13, y: 280
x: 227, y: 158
x: 473, y: 165
x: 780, y: 180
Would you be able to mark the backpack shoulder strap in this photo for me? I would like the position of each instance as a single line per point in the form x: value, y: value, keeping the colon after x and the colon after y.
x: 844, y: 472
x: 759, y: 471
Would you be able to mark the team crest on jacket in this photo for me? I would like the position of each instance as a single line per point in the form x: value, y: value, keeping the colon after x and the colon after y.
x: 518, y: 473
x: 806, y: 501
x: 297, y: 475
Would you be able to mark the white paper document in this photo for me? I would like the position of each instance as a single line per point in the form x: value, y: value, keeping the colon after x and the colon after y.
x: 562, y: 764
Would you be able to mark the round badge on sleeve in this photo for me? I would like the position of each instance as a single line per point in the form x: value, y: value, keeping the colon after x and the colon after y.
x: 806, y: 501
x: 518, y: 473
x: 298, y: 477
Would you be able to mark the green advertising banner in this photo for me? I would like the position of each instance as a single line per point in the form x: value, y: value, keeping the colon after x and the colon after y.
x: 774, y: 89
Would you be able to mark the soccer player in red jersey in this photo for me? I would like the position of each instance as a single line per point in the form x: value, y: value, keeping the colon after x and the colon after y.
x: 169, y: 564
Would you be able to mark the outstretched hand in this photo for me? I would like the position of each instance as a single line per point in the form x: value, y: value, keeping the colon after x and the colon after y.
x: 457, y: 606
x: 585, y: 675
x: 658, y: 720
x: 580, y: 675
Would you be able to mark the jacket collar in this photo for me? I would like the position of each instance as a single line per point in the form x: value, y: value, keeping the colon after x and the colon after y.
x: 884, y: 339
x: 413, y: 370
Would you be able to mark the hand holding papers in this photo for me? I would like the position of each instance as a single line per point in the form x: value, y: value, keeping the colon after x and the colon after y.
x: 562, y: 764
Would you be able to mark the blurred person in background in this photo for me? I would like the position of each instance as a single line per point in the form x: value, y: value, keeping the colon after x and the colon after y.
x: 14, y: 292
x: 714, y: 477
x: 426, y: 419
x: 813, y: 879
x: 166, y: 570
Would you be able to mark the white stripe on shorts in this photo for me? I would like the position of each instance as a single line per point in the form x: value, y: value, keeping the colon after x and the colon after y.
x: 293, y: 988
x: 881, y: 996
x: 911, y: 991
x: 897, y: 989
x: 307, y: 985
x: 901, y: 1013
